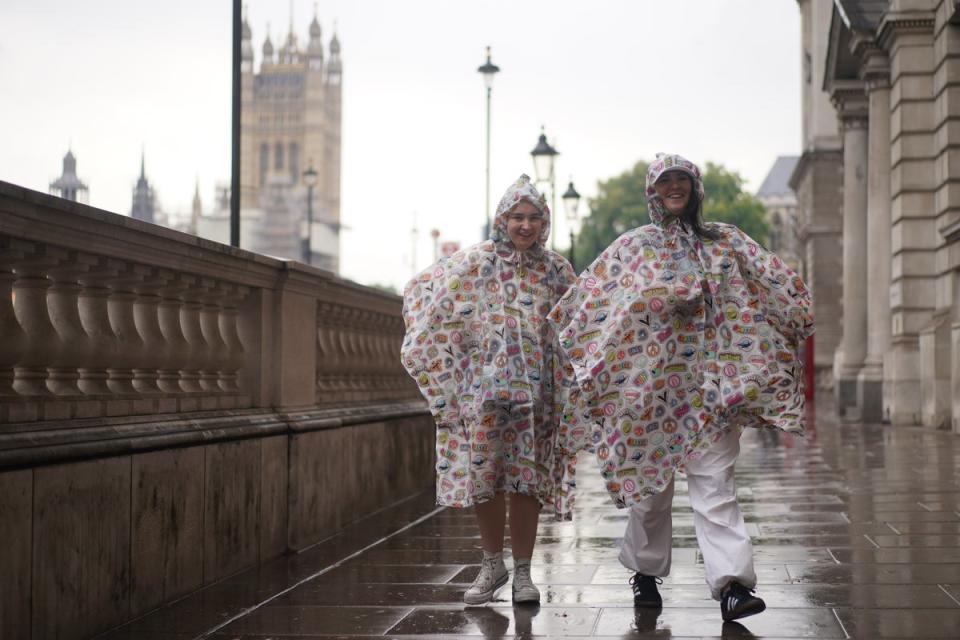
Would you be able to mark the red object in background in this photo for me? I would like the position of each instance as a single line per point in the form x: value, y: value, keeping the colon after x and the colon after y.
x: 810, y: 372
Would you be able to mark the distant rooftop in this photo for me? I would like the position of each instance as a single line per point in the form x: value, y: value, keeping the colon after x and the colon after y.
x: 777, y: 182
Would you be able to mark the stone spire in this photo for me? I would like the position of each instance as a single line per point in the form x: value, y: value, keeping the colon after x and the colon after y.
x: 68, y: 186
x: 196, y: 209
x: 142, y: 207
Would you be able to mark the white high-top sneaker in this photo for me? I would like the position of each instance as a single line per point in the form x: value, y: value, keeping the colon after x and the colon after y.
x: 523, y: 588
x: 493, y: 575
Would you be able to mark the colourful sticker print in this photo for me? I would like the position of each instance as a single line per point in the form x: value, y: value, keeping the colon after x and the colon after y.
x: 702, y: 337
x: 479, y: 346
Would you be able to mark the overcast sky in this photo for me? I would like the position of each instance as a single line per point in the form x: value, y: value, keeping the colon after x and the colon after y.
x: 613, y: 82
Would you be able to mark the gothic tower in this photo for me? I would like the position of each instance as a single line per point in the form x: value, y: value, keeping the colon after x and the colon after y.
x: 290, y: 121
x: 142, y: 207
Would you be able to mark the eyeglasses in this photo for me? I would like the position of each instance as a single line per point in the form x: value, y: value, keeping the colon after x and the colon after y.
x: 519, y: 218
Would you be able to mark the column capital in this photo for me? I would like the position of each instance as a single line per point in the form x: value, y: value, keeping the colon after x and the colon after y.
x: 849, y: 98
x: 875, y: 67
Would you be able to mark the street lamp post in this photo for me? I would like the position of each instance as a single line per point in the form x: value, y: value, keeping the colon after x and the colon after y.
x: 488, y: 69
x: 310, y: 180
x: 543, y: 155
x: 571, y: 200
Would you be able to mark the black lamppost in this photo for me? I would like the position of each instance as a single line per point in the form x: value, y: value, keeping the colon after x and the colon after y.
x: 571, y: 200
x: 310, y: 180
x: 488, y: 69
x: 543, y: 155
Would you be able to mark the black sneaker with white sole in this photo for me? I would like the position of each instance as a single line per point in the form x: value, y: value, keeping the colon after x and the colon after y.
x: 645, y: 593
x: 737, y: 602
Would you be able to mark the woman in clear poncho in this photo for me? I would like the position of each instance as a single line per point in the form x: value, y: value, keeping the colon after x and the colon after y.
x: 680, y: 334
x: 480, y: 348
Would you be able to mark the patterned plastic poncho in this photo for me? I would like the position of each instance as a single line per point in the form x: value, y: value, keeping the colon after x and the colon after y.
x: 675, y: 339
x: 479, y: 345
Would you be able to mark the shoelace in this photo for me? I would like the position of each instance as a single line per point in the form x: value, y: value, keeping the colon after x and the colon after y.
x: 635, y: 580
x: 488, y: 572
x: 521, y: 573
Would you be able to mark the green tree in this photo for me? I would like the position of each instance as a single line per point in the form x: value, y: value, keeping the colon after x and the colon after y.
x: 621, y: 204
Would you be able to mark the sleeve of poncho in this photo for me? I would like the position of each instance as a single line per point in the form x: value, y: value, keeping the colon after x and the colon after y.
x: 571, y: 434
x: 426, y: 354
x: 786, y: 299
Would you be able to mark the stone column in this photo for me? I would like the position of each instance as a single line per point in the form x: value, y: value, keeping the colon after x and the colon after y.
x: 870, y: 380
x: 852, y: 108
x: 906, y: 33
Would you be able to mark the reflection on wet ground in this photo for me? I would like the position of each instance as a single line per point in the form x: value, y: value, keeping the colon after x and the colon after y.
x: 856, y: 531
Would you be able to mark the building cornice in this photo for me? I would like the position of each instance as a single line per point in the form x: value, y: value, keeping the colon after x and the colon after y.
x: 895, y: 24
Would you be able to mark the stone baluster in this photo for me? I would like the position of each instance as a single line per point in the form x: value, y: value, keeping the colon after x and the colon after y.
x: 335, y: 358
x: 130, y: 345
x: 228, y: 320
x: 198, y: 351
x: 326, y: 357
x: 216, y: 353
x: 41, y: 343
x: 176, y: 350
x: 146, y: 316
x: 351, y: 352
x: 13, y: 342
x: 64, y: 308
x: 95, y: 318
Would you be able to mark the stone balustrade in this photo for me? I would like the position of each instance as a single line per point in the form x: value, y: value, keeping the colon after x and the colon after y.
x: 95, y: 324
x: 173, y: 411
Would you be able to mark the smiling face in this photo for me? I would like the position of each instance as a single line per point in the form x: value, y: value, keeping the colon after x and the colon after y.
x: 674, y: 188
x: 524, y: 224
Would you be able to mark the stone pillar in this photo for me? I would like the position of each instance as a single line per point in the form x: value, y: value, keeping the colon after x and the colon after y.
x: 870, y: 380
x: 850, y: 355
x: 906, y: 33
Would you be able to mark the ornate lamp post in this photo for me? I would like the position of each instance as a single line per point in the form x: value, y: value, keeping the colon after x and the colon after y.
x: 543, y: 155
x: 310, y: 180
x: 571, y: 200
x: 488, y: 69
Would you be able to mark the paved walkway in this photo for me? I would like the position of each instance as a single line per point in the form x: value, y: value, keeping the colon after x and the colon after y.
x: 856, y: 535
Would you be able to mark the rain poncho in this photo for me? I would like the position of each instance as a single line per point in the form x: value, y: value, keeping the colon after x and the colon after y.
x: 675, y: 339
x: 479, y: 345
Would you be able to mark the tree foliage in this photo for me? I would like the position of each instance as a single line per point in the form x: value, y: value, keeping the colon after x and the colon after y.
x: 621, y: 204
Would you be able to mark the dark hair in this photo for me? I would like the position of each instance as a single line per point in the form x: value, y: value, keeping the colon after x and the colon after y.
x: 693, y: 215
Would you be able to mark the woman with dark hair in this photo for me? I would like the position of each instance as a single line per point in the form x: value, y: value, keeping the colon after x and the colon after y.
x: 680, y: 334
x: 479, y: 345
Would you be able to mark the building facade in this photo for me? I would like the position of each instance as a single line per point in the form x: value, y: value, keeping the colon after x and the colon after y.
x: 290, y: 123
x: 780, y: 202
x: 891, y: 72
x: 817, y: 181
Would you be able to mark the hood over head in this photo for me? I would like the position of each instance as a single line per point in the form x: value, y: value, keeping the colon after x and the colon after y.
x: 664, y: 163
x: 520, y: 190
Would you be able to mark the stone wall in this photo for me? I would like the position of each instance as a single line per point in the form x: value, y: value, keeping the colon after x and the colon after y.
x: 174, y: 411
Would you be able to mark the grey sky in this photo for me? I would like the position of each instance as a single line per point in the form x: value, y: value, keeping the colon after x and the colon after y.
x: 613, y: 81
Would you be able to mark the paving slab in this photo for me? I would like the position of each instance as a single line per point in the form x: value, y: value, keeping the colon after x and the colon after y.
x: 856, y: 532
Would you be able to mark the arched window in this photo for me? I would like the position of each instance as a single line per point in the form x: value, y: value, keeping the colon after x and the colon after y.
x: 776, y: 232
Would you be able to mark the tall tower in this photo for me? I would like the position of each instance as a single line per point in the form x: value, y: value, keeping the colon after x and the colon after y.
x: 68, y: 186
x: 290, y: 121
x: 143, y: 197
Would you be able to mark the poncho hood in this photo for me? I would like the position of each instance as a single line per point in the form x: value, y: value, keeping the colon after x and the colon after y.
x: 664, y: 163
x: 519, y: 191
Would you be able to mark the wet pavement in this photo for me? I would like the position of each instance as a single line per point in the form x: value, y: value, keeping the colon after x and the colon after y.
x: 856, y: 533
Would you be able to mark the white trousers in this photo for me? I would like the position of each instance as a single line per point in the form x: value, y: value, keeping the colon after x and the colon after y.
x: 721, y: 531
